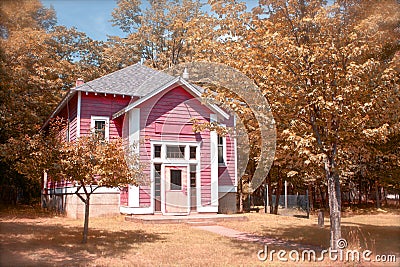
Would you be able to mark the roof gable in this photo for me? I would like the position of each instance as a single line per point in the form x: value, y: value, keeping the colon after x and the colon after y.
x: 196, y: 91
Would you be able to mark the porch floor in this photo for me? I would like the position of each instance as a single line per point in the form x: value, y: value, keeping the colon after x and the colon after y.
x: 193, y: 219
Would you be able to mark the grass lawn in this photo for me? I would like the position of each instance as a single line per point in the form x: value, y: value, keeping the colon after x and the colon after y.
x: 378, y: 231
x: 31, y: 237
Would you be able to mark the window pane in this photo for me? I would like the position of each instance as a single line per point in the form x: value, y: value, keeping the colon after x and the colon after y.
x: 100, y: 129
x: 176, y: 152
x: 220, y: 149
x: 157, y: 179
x: 192, y: 176
x: 220, y: 140
x: 192, y: 152
x: 220, y: 154
x: 157, y: 151
x: 176, y: 179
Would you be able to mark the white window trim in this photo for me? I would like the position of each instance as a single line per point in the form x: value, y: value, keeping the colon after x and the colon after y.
x: 93, y: 119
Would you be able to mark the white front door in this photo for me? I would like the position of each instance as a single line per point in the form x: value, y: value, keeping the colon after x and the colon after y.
x: 176, y: 190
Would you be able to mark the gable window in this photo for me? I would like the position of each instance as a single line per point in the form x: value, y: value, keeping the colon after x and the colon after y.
x: 157, y: 151
x: 221, y: 150
x: 99, y: 126
x: 175, y: 152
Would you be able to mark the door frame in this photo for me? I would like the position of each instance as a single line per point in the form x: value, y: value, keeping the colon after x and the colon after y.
x: 183, y: 162
x: 163, y: 189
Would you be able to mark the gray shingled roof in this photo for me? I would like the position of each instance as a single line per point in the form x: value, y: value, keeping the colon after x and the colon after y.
x: 135, y: 80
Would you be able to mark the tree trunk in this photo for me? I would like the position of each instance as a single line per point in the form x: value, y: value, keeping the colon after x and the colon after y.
x: 321, y: 192
x: 240, y: 196
x: 278, y: 194
x: 86, y: 223
x: 270, y: 194
x: 334, y: 203
x: 385, y: 196
x: 310, y: 196
x: 378, y: 203
x: 359, y: 191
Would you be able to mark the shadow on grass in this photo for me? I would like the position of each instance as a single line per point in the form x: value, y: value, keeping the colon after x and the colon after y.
x: 43, y: 245
x: 378, y: 239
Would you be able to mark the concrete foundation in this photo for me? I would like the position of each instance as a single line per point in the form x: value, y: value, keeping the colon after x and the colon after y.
x: 227, y: 203
x: 101, y: 205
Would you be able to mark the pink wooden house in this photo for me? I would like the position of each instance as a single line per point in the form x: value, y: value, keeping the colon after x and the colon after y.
x: 184, y: 172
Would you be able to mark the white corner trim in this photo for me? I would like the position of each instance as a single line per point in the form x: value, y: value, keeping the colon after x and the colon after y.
x: 134, y: 128
x: 235, y: 151
x: 133, y: 196
x: 214, y: 163
x: 78, y: 114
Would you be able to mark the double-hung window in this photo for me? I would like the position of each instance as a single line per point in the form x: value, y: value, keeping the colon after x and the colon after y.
x: 100, y: 127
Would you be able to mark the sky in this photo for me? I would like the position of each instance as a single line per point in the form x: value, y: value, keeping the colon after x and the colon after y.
x: 90, y: 16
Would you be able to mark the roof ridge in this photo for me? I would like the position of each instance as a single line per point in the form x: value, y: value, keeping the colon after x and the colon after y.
x: 127, y: 81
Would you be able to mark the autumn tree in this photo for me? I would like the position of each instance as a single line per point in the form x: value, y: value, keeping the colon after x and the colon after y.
x: 91, y: 163
x: 88, y: 163
x: 325, y: 72
x: 328, y: 72
x: 39, y: 61
x: 158, y: 32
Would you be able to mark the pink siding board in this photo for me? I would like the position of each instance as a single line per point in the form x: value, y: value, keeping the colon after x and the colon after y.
x: 73, y: 117
x: 123, y: 197
x: 227, y: 173
x: 102, y: 105
x: 68, y: 113
x: 167, y: 117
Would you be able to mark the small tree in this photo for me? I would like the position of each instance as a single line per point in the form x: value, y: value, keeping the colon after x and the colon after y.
x: 91, y: 162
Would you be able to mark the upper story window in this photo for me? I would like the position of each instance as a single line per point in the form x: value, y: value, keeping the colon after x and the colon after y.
x: 99, y: 126
x: 175, y: 152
